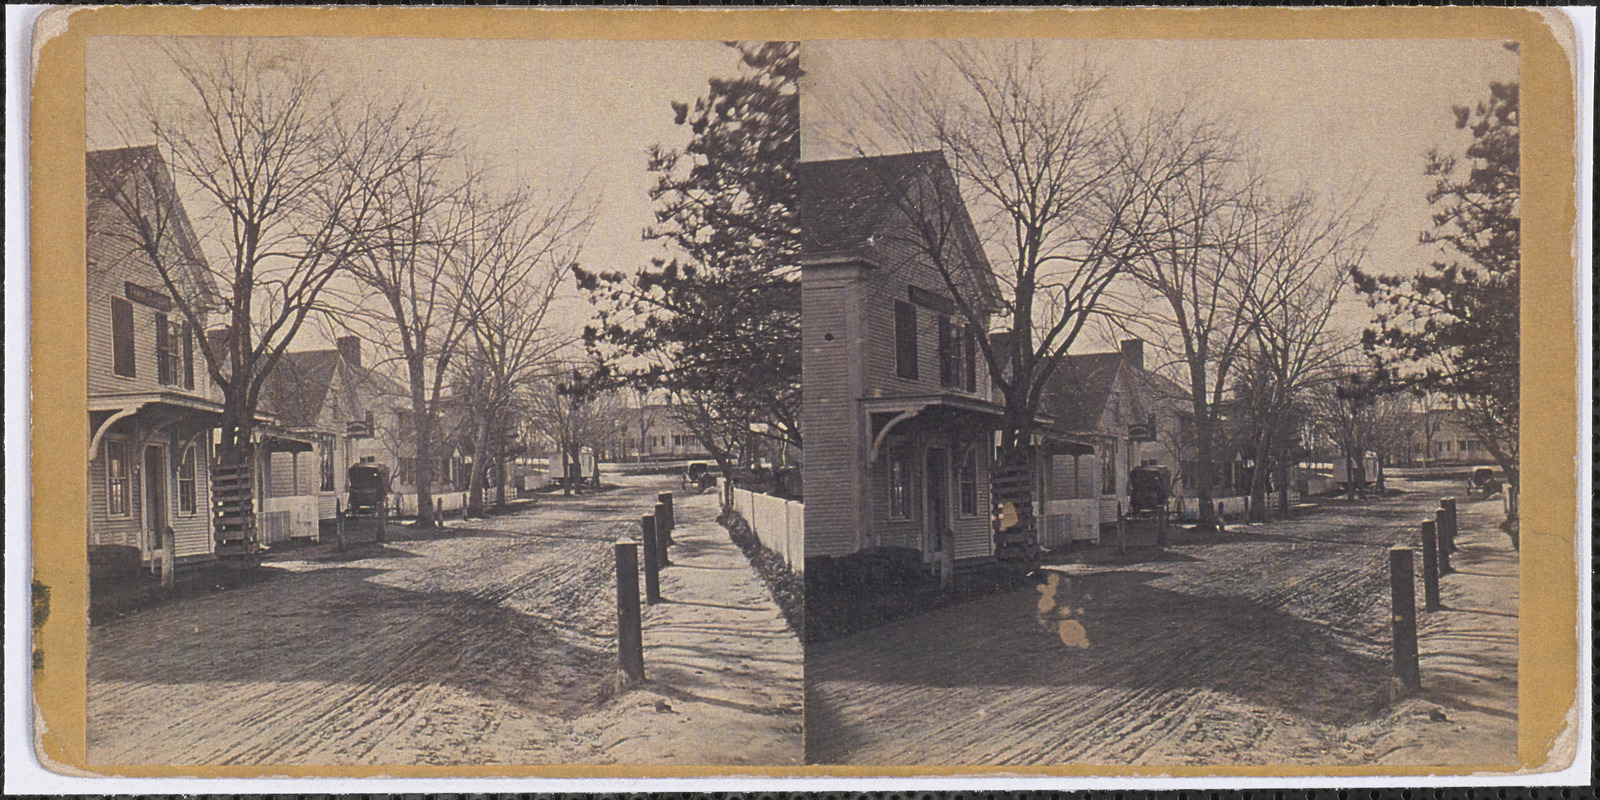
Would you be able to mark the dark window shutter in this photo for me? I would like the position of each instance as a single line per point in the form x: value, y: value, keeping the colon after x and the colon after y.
x: 905, y: 340
x: 947, y: 356
x: 188, y: 357
x: 122, y: 351
x: 163, y: 348
x: 969, y: 353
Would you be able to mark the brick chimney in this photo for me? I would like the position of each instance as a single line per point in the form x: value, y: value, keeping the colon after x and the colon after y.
x: 1133, y: 352
x: 350, y: 348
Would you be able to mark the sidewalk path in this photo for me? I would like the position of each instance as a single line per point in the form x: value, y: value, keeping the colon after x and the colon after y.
x: 1467, y: 652
x: 1268, y: 644
x: 719, y: 661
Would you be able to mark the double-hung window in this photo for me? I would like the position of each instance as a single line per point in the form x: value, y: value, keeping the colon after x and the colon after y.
x: 169, y: 363
x: 117, y: 483
x: 899, y: 483
x: 186, y: 481
x: 327, y: 445
x: 967, y: 482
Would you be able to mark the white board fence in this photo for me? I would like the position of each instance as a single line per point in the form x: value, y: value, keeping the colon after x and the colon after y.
x: 778, y: 523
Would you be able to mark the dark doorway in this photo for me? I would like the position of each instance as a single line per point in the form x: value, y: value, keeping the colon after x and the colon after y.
x: 155, y: 493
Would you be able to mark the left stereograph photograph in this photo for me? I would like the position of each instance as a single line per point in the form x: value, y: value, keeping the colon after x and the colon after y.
x: 420, y: 376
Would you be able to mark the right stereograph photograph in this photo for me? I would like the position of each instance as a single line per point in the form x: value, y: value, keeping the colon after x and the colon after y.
x: 1160, y: 401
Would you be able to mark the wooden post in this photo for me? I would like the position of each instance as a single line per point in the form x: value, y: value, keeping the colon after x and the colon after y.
x: 652, y: 559
x: 1441, y: 525
x: 338, y: 524
x: 1430, y: 565
x: 169, y: 559
x: 383, y: 521
x: 1403, y: 603
x: 630, y: 639
x: 1447, y: 535
x: 661, y: 541
x: 665, y: 499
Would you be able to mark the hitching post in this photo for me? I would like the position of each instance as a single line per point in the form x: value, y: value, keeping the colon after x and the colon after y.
x: 169, y: 559
x: 1441, y: 525
x: 661, y: 541
x: 630, y: 640
x: 652, y: 559
x: 1403, y: 595
x: 1448, y: 536
x: 1430, y: 565
x: 665, y: 498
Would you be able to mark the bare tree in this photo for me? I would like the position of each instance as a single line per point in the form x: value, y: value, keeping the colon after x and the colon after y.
x: 285, y: 173
x: 1065, y: 187
x: 1298, y: 261
x: 528, y: 244
x: 411, y: 288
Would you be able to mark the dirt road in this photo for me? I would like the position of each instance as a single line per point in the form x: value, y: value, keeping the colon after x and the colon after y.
x: 1267, y: 644
x: 492, y: 642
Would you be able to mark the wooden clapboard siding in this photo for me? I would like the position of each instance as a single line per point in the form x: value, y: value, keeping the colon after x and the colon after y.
x: 829, y: 416
x: 974, y: 536
x: 892, y: 532
x: 104, y: 528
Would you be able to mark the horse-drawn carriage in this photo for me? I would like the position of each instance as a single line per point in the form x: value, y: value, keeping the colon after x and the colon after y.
x: 367, y: 495
x: 1484, y: 483
x: 1149, y: 491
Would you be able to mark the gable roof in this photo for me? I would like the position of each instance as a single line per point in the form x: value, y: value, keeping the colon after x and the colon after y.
x: 106, y: 170
x: 847, y: 205
x: 1080, y: 388
x: 299, y: 385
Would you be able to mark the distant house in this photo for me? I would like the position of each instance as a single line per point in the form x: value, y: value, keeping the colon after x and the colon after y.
x: 1120, y: 416
x: 662, y: 436
x: 327, y: 399
x: 1442, y: 437
x: 898, y: 414
x: 152, y: 406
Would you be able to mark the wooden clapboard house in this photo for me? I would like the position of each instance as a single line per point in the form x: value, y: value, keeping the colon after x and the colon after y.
x: 328, y: 399
x: 152, y: 406
x: 1110, y: 415
x: 899, y: 414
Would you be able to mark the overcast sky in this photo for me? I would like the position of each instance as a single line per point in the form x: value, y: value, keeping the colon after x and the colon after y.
x: 544, y: 112
x: 1336, y: 115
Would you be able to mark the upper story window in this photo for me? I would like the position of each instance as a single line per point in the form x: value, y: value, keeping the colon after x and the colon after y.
x: 169, y: 355
x: 122, y: 349
x: 957, y: 356
x: 905, y: 340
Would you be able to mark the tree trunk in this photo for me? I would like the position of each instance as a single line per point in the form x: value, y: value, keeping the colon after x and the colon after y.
x: 1258, y: 480
x: 422, y: 452
x: 475, y: 481
x: 1281, y: 466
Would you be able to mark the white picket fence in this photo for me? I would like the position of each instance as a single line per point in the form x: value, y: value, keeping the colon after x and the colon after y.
x: 446, y: 502
x: 778, y: 523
